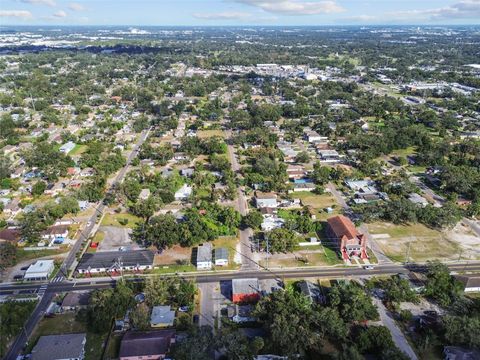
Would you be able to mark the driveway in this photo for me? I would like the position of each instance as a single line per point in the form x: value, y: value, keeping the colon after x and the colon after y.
x: 397, y: 335
x: 115, y: 237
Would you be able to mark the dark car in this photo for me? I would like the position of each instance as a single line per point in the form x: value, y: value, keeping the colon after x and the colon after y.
x: 196, y: 318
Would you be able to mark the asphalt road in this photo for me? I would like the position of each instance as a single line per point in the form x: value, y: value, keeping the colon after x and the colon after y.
x: 90, y: 284
x: 57, y: 284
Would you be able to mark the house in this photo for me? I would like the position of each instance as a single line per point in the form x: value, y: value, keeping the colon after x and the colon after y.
x: 302, y: 186
x: 183, y: 193
x: 10, y: 235
x: 75, y: 301
x: 295, y: 172
x: 55, y: 232
x: 144, y: 194
x: 329, y: 156
x: 67, y: 147
x: 311, y: 291
x: 245, y: 290
x: 115, y: 261
x: 188, y: 172
x: 60, y: 347
x: 271, y: 222
x: 221, y: 257
x: 349, y: 241
x: 268, y: 200
x: 82, y: 205
x: 470, y: 283
x: 39, y: 270
x: 312, y: 136
x: 417, y: 199
x: 151, y: 345
x: 241, y: 313
x: 460, y: 353
x: 87, y: 172
x: 204, y: 257
x: 162, y: 316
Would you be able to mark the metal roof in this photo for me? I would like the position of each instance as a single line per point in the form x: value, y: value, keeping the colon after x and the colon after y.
x: 108, y: 259
x: 52, y: 347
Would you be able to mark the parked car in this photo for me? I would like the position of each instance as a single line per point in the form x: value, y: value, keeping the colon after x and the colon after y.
x: 368, y: 267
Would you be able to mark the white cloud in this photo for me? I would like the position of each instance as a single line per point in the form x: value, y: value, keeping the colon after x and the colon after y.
x: 227, y: 15
x: 76, y: 7
x: 16, y: 13
x: 40, y: 2
x: 60, y: 14
x: 295, y: 7
x: 467, y: 9
x: 361, y: 18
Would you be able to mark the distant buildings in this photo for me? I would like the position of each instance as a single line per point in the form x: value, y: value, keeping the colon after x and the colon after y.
x: 349, y: 241
x: 60, y: 347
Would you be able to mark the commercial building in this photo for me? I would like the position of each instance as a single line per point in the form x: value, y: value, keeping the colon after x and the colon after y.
x: 245, y: 290
x: 39, y: 270
x: 116, y: 261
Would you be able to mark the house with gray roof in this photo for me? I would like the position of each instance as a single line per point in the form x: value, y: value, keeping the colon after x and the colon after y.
x: 162, y: 316
x: 60, y: 347
x: 204, y: 257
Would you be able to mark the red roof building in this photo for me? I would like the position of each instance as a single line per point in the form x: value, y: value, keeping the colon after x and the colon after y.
x: 245, y: 290
x: 349, y: 240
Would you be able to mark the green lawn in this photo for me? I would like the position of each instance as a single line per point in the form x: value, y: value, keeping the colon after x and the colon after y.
x: 202, y: 134
x: 78, y: 149
x: 113, y: 220
x: 23, y: 255
x: 167, y: 269
x: 319, y: 203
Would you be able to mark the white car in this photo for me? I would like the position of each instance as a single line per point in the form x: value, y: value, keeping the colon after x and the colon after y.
x: 368, y: 267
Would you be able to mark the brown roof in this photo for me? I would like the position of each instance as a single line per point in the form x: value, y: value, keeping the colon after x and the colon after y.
x: 343, y: 226
x: 265, y: 195
x: 144, y: 343
x: 76, y: 299
x: 10, y: 234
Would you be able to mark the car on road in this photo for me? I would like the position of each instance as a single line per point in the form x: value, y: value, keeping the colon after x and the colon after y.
x: 89, y: 223
x: 122, y: 248
x: 368, y: 267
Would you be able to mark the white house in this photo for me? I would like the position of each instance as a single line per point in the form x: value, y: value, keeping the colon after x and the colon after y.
x: 266, y: 200
x: 204, y: 257
x: 67, y: 147
x: 39, y: 270
x: 184, y: 192
x: 221, y: 257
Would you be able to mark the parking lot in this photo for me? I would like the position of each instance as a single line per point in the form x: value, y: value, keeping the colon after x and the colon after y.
x: 116, y: 238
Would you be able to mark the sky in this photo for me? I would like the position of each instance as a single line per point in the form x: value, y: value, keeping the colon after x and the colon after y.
x: 238, y: 12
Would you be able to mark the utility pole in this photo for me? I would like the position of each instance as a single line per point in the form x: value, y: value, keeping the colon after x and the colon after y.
x: 267, y: 252
x: 407, y: 255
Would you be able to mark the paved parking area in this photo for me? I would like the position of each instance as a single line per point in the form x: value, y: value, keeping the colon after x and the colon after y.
x: 116, y: 237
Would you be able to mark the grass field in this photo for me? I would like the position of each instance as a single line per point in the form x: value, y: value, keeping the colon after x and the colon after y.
x: 319, y: 203
x: 203, y: 134
x: 23, y: 255
x: 421, y: 242
x: 78, y: 149
x: 113, y: 220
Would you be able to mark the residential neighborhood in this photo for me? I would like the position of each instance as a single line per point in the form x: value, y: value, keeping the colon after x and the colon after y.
x: 239, y: 192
